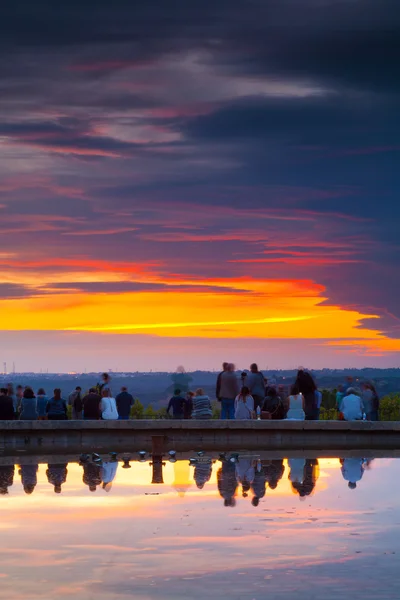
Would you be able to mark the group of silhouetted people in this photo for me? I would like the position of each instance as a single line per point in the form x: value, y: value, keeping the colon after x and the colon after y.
x: 98, y: 403
x: 236, y: 471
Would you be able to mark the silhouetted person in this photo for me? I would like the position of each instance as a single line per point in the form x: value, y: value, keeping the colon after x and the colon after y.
x: 188, y: 406
x: 57, y: 407
x: 75, y: 401
x: 13, y: 395
x: 57, y: 475
x: 108, y: 473
x: 258, y: 486
x: 310, y: 477
x: 29, y: 477
x: 91, y: 475
x: 41, y: 404
x: 352, y: 406
x: 274, y: 471
x: 273, y: 404
x: 202, y: 473
x: 352, y: 471
x: 6, y: 478
x: 91, y: 406
x: 201, y: 406
x: 256, y: 384
x: 307, y: 387
x: 225, y: 366
x: 371, y: 401
x: 6, y: 406
x: 177, y: 405
x: 229, y: 389
x: 245, y: 474
x: 124, y: 402
x: 227, y: 482
x: 28, y: 406
x: 19, y: 394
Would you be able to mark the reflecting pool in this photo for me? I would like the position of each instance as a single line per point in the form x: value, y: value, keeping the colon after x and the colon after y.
x: 232, y: 526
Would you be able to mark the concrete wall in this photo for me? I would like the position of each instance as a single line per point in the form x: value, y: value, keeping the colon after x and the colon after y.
x: 42, y: 437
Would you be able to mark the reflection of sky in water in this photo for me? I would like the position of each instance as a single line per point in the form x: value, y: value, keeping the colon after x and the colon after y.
x: 176, y: 541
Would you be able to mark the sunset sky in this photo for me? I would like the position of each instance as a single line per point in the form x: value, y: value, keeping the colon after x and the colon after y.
x: 187, y: 183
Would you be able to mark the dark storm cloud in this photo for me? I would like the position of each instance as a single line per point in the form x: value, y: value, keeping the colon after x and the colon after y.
x: 274, y: 117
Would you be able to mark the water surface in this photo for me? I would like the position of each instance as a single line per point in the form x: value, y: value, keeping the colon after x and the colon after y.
x: 203, y: 531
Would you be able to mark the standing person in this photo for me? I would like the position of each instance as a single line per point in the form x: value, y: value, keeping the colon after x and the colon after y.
x: 124, y: 402
x: 57, y: 407
x: 307, y: 388
x: 201, y: 405
x: 28, y: 406
x: 57, y: 475
x: 225, y: 366
x: 12, y: 395
x: 41, y: 403
x: 296, y: 405
x: 177, y: 405
x: 6, y: 406
x: 352, y: 405
x: 75, y: 402
x: 256, y: 384
x: 91, y: 405
x: 371, y: 401
x: 244, y: 405
x: 229, y: 389
x: 108, y: 406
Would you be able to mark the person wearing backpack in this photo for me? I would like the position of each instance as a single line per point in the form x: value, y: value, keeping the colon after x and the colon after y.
x: 75, y: 401
x: 57, y: 407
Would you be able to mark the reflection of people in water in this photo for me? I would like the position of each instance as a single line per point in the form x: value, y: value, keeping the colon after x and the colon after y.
x: 6, y: 478
x: 227, y: 482
x: 296, y: 472
x: 108, y: 473
x: 29, y: 477
x: 91, y: 475
x: 202, y: 473
x: 245, y: 474
x: 310, y: 477
x: 258, y: 486
x: 57, y: 475
x: 274, y: 471
x: 181, y: 380
x: 352, y: 471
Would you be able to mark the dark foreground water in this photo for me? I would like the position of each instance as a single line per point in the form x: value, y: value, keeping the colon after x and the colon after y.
x: 240, y: 530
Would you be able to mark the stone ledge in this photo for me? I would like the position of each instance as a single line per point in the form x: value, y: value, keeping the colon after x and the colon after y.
x: 193, y: 425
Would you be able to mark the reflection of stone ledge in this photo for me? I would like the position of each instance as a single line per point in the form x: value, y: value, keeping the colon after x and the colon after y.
x: 47, y: 436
